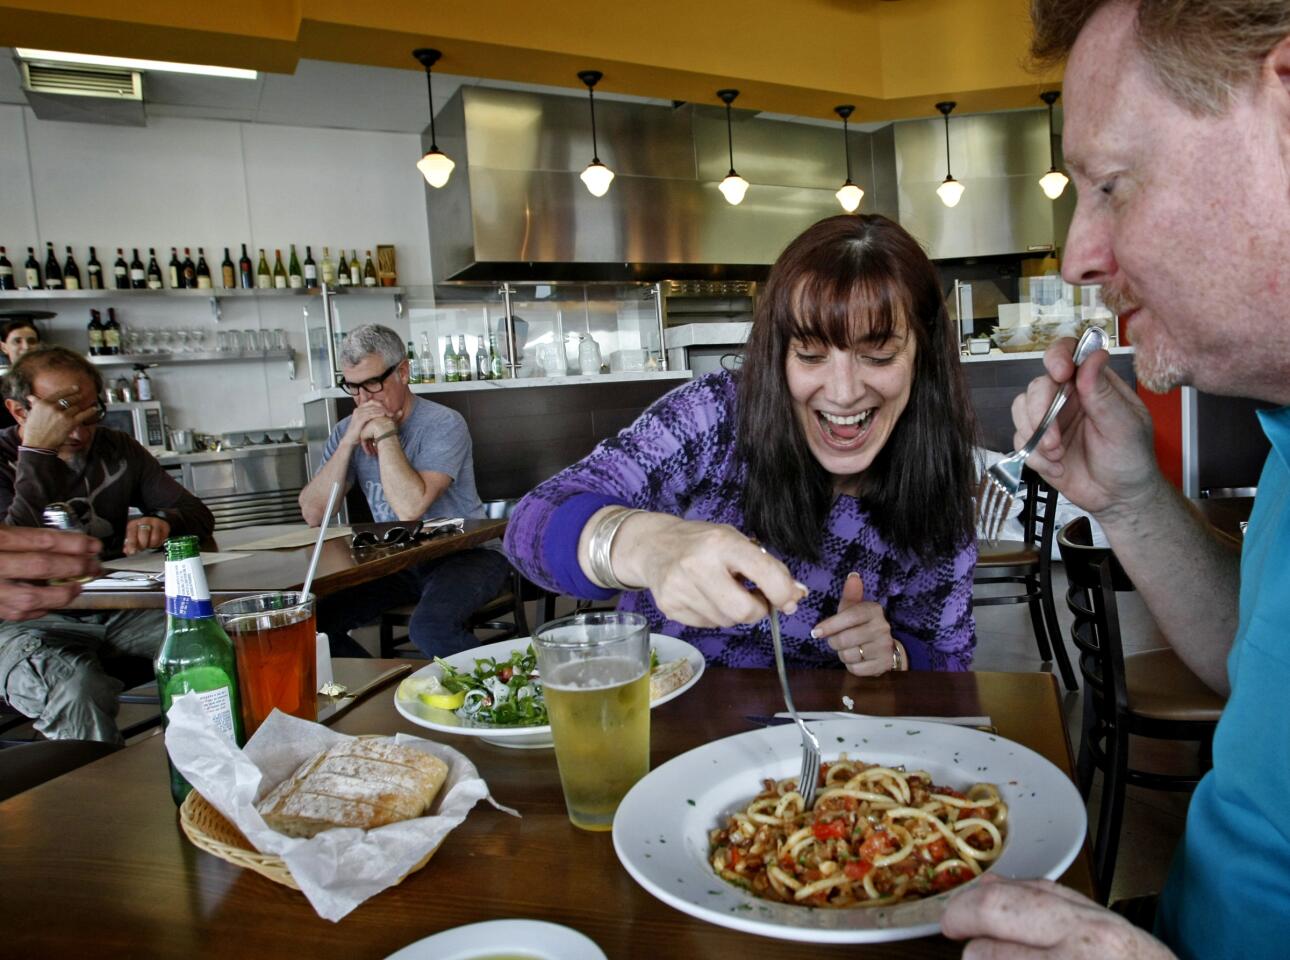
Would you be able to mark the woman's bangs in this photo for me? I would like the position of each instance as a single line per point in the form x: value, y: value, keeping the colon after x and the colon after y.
x: 844, y: 311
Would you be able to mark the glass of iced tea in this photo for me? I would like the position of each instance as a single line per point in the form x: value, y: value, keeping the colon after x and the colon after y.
x: 595, y: 676
x: 274, y: 636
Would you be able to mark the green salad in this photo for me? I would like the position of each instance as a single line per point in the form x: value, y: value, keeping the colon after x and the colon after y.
x: 504, y: 693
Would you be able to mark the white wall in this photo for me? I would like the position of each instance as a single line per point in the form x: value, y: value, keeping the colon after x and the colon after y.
x: 187, y: 182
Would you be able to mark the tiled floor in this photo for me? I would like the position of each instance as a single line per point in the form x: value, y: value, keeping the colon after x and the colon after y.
x: 1153, y: 820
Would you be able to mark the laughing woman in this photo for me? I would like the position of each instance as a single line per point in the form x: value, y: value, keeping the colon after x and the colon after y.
x: 832, y: 473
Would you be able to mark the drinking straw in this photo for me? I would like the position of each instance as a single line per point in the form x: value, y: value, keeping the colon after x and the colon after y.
x: 322, y: 533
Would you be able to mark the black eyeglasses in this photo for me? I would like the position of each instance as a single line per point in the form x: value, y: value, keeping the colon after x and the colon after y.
x: 394, y: 536
x: 100, y: 412
x: 374, y: 385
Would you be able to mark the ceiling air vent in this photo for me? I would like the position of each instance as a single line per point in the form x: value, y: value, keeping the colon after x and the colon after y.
x: 84, y: 94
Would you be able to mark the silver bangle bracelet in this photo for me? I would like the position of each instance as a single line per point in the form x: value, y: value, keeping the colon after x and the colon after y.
x: 601, y: 544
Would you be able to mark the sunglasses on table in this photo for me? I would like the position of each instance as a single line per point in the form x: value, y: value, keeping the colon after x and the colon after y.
x: 403, y: 534
x: 373, y: 385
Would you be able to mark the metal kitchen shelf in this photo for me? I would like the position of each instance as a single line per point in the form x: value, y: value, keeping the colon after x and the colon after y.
x: 202, y: 356
x: 213, y: 293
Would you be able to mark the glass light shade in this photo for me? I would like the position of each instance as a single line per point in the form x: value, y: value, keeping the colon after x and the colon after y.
x: 733, y: 188
x: 950, y: 191
x: 1053, y: 183
x: 436, y: 167
x: 597, y: 177
x: 850, y: 196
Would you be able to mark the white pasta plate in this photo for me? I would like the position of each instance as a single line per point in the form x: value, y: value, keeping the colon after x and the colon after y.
x: 535, y: 939
x: 446, y: 721
x: 661, y: 827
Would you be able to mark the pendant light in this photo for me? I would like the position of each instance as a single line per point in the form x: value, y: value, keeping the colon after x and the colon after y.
x: 849, y: 195
x: 734, y: 186
x: 597, y: 176
x: 950, y: 191
x: 1054, y: 181
x: 436, y: 166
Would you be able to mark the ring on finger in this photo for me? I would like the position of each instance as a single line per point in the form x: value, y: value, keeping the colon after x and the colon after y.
x: 895, y: 658
x: 860, y: 653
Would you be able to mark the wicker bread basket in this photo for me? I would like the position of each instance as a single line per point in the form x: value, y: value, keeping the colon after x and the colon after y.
x: 208, y: 830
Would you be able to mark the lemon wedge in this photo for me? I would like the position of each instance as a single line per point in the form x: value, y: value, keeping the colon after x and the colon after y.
x: 444, y: 701
x: 413, y: 687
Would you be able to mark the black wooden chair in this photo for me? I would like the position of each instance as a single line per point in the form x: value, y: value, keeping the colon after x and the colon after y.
x: 1149, y: 694
x: 1028, y: 562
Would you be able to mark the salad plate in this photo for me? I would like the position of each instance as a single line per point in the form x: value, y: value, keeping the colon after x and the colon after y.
x: 661, y: 828
x: 527, y: 939
x: 533, y: 737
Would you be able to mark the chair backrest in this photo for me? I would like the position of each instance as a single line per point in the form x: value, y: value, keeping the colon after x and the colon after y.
x: 1039, y: 512
x: 1094, y: 577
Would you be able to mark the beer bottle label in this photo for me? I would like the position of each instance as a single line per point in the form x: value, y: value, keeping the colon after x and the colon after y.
x: 218, y: 706
x: 187, y: 595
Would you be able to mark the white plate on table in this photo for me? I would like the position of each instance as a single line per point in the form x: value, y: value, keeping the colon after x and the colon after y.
x: 446, y: 721
x: 527, y: 939
x: 661, y: 827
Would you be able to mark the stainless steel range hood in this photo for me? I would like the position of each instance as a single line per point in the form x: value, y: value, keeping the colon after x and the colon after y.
x: 515, y: 209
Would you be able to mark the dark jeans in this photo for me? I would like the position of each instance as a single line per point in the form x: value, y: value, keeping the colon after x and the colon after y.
x: 446, y: 591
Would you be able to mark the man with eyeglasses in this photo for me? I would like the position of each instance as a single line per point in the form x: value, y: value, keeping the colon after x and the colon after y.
x: 412, y: 459
x: 51, y: 667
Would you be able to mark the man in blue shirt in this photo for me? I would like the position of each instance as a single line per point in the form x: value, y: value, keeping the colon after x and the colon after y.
x: 1177, y: 136
x: 412, y: 459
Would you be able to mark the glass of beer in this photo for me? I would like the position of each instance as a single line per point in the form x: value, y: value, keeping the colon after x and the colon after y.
x: 275, y: 638
x: 595, y: 675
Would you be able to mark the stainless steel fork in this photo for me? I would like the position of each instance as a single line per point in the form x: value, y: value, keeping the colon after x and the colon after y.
x: 810, y: 772
x: 1002, y: 482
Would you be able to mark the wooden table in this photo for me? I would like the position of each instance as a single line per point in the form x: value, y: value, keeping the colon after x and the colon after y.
x: 98, y: 865
x: 339, y: 567
x: 1225, y: 515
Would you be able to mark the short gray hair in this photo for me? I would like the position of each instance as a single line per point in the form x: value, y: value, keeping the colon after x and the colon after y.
x: 372, y: 338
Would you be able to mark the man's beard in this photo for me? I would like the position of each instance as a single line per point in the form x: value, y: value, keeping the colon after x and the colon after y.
x: 1155, y: 361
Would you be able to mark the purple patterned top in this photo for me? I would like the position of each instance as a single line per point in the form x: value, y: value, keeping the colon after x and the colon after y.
x: 679, y: 458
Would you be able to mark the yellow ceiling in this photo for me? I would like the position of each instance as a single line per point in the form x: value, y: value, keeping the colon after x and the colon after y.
x: 892, y: 58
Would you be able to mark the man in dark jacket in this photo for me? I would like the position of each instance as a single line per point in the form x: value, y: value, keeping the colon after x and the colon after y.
x: 51, y: 667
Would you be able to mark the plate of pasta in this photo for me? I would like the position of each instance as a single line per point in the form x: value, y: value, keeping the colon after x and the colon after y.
x: 905, y: 812
x: 494, y: 692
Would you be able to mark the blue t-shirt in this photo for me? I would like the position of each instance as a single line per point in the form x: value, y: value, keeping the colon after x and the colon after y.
x: 1228, y: 893
x: 433, y: 438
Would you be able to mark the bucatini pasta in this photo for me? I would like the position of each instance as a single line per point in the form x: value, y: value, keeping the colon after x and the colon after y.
x: 876, y: 835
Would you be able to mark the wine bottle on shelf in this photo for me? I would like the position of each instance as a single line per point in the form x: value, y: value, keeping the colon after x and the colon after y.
x: 369, y: 272
x: 188, y: 271
x: 94, y: 271
x: 245, y: 274
x: 154, y: 270
x: 203, y: 270
x: 176, y: 270
x: 311, y: 268
x: 355, y: 271
x: 414, y: 365
x: 295, y: 278
x: 138, y: 276
x: 53, y: 272
x: 427, y: 359
x: 263, y: 278
x: 342, y: 273
x: 7, y: 281
x: 328, y: 269
x: 463, y: 359
x: 71, y: 272
x: 449, y: 363
x: 227, y: 274
x: 111, y: 335
x: 280, y: 281
x: 95, y: 333
x: 121, y: 271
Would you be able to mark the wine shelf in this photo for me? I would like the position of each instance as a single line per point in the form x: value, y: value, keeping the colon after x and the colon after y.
x: 192, y: 356
x: 214, y: 293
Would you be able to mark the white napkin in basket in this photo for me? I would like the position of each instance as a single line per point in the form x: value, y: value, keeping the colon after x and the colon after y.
x: 337, y: 869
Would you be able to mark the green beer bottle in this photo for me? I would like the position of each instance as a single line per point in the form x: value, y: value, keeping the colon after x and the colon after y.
x: 196, y: 658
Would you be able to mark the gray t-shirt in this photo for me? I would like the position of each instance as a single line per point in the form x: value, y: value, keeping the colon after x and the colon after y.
x: 433, y: 437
